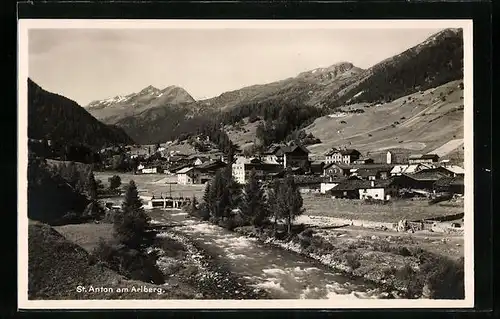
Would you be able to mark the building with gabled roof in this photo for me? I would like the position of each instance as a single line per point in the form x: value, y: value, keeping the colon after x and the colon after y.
x: 346, y: 156
x: 453, y: 185
x: 423, y: 158
x: 243, y: 166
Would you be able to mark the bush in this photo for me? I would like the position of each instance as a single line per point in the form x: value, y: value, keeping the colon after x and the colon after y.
x: 128, y: 262
x: 253, y: 118
x: 445, y: 278
x: 114, y: 182
x: 411, y: 281
x: 352, y: 260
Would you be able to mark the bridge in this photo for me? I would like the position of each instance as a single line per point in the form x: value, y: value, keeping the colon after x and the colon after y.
x: 165, y: 202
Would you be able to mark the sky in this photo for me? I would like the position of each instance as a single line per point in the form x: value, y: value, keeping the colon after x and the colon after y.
x: 93, y: 64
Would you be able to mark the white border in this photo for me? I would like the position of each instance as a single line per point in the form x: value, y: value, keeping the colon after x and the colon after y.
x: 25, y: 24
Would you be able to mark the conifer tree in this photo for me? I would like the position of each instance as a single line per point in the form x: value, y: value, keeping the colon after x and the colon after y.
x: 254, y: 201
x: 92, y: 186
x: 130, y: 224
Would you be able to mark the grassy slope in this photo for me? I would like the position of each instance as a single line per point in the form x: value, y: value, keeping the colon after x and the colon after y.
x: 426, y: 123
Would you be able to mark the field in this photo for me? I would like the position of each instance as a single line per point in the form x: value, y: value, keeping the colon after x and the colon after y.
x: 391, y: 213
x: 155, y: 184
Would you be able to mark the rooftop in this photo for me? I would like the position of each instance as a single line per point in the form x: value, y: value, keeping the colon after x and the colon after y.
x: 184, y: 170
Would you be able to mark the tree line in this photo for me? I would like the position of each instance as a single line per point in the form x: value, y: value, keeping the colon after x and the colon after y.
x: 229, y: 204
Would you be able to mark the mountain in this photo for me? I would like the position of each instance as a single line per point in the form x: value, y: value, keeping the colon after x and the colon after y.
x: 307, y: 87
x: 301, y: 99
x: 436, y: 61
x: 52, y: 116
x: 112, y: 110
x: 152, y: 122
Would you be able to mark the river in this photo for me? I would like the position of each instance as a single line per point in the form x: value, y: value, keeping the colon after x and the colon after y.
x: 283, y: 274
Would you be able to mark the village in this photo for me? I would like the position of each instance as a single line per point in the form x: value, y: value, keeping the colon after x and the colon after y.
x: 342, y: 175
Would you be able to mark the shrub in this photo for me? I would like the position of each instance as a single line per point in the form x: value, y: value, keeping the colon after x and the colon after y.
x: 411, y: 281
x: 445, y: 277
x: 128, y: 262
x: 352, y: 260
x: 253, y: 118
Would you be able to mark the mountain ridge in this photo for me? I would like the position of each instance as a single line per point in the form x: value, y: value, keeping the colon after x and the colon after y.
x: 434, y: 62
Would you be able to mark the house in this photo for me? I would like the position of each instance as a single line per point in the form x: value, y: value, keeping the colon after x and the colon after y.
x: 363, y: 160
x: 349, y: 188
x: 346, y: 156
x: 197, y: 159
x: 187, y: 176
x: 317, y: 167
x: 421, y: 180
x: 292, y: 155
x: 336, y: 170
x: 270, y: 154
x: 453, y: 185
x: 382, y: 190
x: 243, y: 166
x: 454, y: 170
x: 329, y: 183
x: 149, y: 169
x: 211, y: 167
x: 373, y: 172
x: 409, y: 169
x: 309, y: 184
x: 426, y: 158
x: 333, y: 156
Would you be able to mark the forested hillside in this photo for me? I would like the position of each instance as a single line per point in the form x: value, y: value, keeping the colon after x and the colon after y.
x: 55, y: 117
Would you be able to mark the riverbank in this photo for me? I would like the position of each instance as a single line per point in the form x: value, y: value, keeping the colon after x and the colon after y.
x: 190, y: 271
x: 190, y: 262
x: 402, y: 271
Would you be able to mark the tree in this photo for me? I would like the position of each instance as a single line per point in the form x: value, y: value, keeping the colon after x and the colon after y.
x: 114, y: 182
x: 92, y: 186
x: 289, y: 203
x: 254, y: 201
x: 130, y: 224
x: 193, y: 205
x: 118, y: 162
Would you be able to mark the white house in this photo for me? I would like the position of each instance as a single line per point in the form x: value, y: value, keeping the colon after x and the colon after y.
x: 150, y: 170
x: 373, y: 192
x: 346, y: 156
